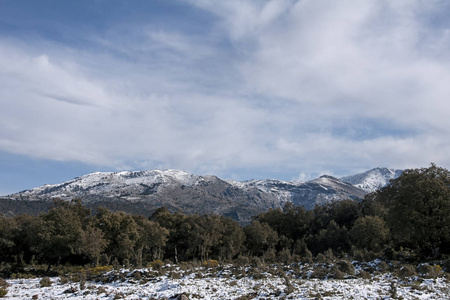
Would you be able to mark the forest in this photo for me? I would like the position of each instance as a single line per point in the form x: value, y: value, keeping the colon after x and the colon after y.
x: 407, y: 220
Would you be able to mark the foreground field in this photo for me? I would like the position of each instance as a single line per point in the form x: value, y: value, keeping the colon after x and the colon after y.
x: 172, y: 282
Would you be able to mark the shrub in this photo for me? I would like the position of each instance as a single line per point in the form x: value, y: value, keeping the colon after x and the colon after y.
x: 45, y: 282
x: 255, y: 273
x: 101, y: 290
x: 95, y: 271
x: 175, y: 275
x: 63, y: 279
x: 346, y: 267
x: 321, y: 258
x: 284, y: 256
x: 430, y: 271
x: 3, y: 283
x: 365, y: 275
x: 137, y: 275
x: 319, y: 273
x: 338, y: 274
x: 270, y: 256
x: 256, y: 262
x: 307, y: 258
x: 210, y: 263
x: 242, y: 261
x: 383, y: 266
x: 157, y: 265
x: 3, y: 292
x: 407, y: 271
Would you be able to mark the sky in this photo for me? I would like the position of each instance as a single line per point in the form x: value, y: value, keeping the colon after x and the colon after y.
x: 240, y: 89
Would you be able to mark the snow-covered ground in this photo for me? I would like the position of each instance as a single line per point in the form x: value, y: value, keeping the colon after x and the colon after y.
x: 227, y: 284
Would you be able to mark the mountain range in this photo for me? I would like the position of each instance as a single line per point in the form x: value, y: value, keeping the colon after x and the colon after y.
x: 144, y: 191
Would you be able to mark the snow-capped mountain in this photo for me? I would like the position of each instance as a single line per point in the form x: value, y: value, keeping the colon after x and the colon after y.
x: 307, y: 194
x: 372, y: 180
x: 144, y: 191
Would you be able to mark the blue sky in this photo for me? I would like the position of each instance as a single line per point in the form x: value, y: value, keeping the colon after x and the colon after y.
x: 240, y: 89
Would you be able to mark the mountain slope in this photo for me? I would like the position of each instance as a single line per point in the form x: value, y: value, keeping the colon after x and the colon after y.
x: 372, y: 180
x: 144, y: 191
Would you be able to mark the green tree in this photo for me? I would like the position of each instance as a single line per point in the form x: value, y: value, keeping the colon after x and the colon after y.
x: 370, y: 233
x: 260, y: 238
x: 121, y: 231
x: 92, y: 243
x: 152, y: 239
x: 418, y: 209
x: 60, y: 229
x: 8, y: 229
x: 292, y: 221
x: 26, y: 237
x: 179, y: 228
x: 332, y: 237
x: 343, y: 213
x: 231, y: 243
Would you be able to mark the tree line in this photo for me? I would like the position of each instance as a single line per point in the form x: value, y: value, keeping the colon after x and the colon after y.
x: 409, y: 217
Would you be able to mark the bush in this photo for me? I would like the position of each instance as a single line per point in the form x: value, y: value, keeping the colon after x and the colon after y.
x: 255, y: 273
x: 383, y: 266
x: 157, y: 265
x: 346, y: 267
x: 101, y: 290
x: 45, y: 282
x: 338, y: 274
x: 63, y: 279
x: 430, y: 271
x: 95, y: 271
x: 365, y: 275
x: 319, y: 273
x: 3, y: 292
x: 256, y: 262
x: 242, y: 261
x: 407, y: 271
x: 175, y: 275
x: 307, y: 258
x: 211, y: 263
x: 3, y: 283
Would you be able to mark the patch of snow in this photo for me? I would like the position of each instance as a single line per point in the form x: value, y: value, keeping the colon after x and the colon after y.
x: 209, y: 284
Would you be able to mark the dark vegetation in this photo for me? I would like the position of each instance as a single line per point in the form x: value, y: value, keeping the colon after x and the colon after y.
x: 409, y: 221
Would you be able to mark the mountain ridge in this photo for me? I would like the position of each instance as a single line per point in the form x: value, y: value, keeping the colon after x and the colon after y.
x: 372, y: 180
x: 182, y: 191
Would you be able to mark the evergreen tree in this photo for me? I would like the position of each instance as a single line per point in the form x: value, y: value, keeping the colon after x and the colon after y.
x: 259, y: 238
x: 370, y: 233
x: 418, y: 209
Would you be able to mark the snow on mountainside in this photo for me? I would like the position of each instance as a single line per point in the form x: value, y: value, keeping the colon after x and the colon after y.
x: 372, y: 180
x: 114, y: 184
x: 144, y: 191
x: 307, y: 194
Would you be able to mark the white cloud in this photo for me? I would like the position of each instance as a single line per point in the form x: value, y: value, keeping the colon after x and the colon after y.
x: 291, y: 86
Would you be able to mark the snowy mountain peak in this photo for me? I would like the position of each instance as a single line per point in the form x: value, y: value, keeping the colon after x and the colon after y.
x: 102, y: 182
x: 372, y: 180
x: 144, y: 191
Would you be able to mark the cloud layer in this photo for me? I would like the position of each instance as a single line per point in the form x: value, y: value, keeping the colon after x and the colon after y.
x: 254, y: 88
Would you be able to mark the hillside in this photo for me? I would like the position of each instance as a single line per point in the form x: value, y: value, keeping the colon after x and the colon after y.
x: 144, y: 191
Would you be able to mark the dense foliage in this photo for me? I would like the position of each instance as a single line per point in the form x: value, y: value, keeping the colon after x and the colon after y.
x: 410, y: 218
